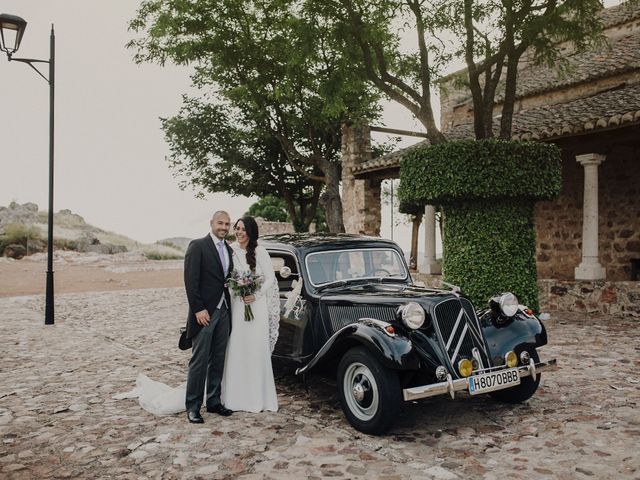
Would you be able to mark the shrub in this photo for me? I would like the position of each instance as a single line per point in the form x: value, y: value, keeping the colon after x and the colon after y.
x: 469, y: 170
x: 29, y: 237
x: 487, y: 190
x: 65, y: 244
x: 155, y: 255
x: 167, y: 243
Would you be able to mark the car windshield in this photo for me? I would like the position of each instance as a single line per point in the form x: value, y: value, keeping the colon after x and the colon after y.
x: 344, y: 265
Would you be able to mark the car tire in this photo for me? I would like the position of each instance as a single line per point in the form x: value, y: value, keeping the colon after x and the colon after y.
x: 522, y: 392
x: 369, y: 393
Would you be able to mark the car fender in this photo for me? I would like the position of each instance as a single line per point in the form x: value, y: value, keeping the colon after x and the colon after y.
x: 393, y: 350
x: 522, y: 332
x: 429, y: 350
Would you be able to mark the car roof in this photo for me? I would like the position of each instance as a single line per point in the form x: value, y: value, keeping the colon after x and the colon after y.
x: 323, y: 241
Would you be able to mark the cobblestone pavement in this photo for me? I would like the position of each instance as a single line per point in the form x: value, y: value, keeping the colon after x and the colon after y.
x: 58, y: 418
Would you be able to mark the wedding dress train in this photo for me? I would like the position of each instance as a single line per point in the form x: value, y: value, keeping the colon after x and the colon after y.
x: 156, y: 397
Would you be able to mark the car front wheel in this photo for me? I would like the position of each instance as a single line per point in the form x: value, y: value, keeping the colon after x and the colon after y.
x: 369, y: 392
x: 522, y: 392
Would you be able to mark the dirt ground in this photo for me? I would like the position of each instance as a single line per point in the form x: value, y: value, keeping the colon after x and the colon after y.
x: 86, y: 274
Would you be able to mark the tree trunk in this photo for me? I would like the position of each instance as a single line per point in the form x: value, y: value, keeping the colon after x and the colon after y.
x: 301, y: 211
x: 506, y: 122
x: 330, y: 198
x: 416, y: 220
x: 313, y: 207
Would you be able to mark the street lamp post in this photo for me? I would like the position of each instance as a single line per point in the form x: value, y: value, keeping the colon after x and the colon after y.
x: 11, y: 31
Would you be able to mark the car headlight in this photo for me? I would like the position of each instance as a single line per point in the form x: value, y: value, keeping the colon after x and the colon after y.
x: 465, y: 367
x: 412, y: 315
x: 511, y: 359
x: 508, y: 304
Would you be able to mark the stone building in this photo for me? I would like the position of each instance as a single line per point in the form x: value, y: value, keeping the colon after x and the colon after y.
x: 588, y: 245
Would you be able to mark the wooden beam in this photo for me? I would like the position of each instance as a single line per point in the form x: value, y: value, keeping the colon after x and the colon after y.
x: 398, y: 132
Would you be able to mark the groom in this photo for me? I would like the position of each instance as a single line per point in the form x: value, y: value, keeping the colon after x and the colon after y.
x: 206, y: 265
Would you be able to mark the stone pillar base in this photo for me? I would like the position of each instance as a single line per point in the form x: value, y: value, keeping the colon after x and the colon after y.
x: 590, y: 271
x: 433, y: 267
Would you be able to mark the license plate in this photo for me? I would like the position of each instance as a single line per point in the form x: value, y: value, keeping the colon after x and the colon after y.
x: 488, y: 382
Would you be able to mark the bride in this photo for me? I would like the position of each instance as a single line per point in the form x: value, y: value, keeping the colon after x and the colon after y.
x: 247, y: 381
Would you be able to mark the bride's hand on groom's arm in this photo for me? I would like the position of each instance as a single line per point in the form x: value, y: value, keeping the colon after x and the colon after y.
x: 202, y: 317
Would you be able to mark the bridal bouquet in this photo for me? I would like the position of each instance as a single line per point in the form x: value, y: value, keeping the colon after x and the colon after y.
x: 243, y: 284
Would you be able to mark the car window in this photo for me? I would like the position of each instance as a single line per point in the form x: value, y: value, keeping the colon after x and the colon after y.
x: 331, y: 266
x: 279, y: 260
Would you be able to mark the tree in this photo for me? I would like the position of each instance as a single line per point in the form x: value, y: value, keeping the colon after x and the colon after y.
x: 491, y: 36
x: 276, y: 65
x: 415, y: 212
x: 273, y: 208
x: 498, y: 34
x: 270, y: 208
x: 213, y: 154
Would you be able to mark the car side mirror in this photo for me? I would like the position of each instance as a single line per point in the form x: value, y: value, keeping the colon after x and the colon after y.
x: 285, y: 272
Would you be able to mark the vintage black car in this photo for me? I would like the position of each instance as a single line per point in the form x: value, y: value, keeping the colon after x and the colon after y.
x: 349, y: 303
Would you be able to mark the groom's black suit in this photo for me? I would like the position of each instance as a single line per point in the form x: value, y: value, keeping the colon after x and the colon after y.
x: 204, y: 280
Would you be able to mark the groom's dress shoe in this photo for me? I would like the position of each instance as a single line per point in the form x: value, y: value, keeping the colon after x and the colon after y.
x: 195, y: 417
x: 220, y: 410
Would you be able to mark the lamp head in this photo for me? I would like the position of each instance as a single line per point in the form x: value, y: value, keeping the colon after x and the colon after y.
x: 12, y: 28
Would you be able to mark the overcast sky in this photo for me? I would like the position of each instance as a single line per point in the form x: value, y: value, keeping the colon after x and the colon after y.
x: 110, y: 150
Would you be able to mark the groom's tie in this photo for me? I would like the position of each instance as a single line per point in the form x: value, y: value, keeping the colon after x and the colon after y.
x: 223, y: 260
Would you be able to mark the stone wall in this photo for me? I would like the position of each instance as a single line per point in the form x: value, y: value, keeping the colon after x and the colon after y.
x: 273, y: 228
x: 559, y: 223
x: 619, y: 212
x: 610, y: 298
x: 361, y: 207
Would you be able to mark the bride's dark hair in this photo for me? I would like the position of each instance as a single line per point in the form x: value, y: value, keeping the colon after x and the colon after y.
x: 251, y: 229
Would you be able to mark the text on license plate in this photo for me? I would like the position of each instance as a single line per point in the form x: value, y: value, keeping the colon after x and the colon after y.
x: 488, y: 382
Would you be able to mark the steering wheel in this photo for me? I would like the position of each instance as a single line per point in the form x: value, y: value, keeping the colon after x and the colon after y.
x: 386, y: 273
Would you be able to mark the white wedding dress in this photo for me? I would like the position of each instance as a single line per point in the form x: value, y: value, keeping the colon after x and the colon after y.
x: 247, y: 382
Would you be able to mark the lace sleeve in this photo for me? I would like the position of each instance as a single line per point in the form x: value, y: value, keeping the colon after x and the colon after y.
x: 266, y: 269
x: 271, y: 292
x: 273, y: 307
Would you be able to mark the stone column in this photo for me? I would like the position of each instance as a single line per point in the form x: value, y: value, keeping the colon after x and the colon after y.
x: 360, y: 198
x: 431, y: 266
x: 590, y: 268
x: 371, y: 211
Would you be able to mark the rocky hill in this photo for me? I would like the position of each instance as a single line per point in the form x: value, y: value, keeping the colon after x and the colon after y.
x: 26, y: 225
x: 180, y: 242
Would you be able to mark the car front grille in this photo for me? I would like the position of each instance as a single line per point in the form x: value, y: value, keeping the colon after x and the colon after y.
x: 458, y: 331
x: 341, y: 316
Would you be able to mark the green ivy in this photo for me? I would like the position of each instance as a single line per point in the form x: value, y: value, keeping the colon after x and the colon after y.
x: 489, y: 248
x: 487, y: 189
x: 410, y: 208
x: 476, y: 169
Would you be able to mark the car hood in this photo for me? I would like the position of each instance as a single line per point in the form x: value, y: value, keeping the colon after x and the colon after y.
x: 383, y: 294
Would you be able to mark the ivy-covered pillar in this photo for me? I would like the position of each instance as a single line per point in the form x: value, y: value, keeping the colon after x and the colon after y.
x: 487, y: 190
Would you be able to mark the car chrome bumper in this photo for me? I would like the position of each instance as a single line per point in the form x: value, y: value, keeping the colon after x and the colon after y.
x: 451, y: 386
